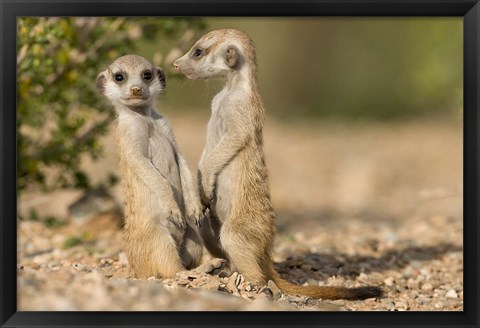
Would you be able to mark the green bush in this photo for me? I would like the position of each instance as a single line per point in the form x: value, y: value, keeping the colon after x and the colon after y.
x: 59, y: 115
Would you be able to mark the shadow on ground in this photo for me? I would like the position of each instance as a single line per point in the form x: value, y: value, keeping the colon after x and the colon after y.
x: 340, y: 264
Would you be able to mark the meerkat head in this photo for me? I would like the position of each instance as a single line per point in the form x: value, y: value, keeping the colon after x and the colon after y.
x: 217, y: 54
x: 131, y: 81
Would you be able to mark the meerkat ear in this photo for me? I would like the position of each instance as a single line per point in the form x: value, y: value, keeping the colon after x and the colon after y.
x: 232, y: 57
x: 101, y: 80
x: 161, y: 76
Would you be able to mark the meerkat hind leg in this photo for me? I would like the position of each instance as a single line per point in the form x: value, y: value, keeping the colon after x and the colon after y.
x: 243, y: 256
x: 164, y: 261
x: 210, y: 231
x: 192, y: 249
x: 212, y: 266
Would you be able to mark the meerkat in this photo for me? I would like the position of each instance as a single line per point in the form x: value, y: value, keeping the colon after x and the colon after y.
x: 162, y: 203
x: 232, y: 173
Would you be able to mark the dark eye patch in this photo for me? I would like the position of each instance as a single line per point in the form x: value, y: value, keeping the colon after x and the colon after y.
x: 147, y: 75
x: 119, y: 77
x: 197, y: 52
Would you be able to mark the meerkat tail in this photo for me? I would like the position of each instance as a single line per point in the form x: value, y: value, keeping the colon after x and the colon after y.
x: 326, y: 292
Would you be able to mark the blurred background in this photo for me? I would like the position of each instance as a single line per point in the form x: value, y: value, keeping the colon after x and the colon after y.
x: 364, y: 115
x: 344, y: 96
x: 350, y: 68
x: 363, y: 143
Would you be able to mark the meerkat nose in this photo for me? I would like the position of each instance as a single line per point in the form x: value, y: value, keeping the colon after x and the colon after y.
x: 136, y: 90
x: 175, y: 65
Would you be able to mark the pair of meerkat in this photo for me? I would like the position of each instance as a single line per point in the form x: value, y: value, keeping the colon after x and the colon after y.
x: 233, y: 177
x: 161, y: 200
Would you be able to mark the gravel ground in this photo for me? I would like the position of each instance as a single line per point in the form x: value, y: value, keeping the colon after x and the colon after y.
x: 357, y: 205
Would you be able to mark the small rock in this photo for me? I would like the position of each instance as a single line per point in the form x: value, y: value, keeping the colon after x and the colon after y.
x: 390, y: 306
x: 301, y: 300
x: 451, y: 294
x: 265, y: 292
x: 427, y: 287
x: 425, y: 272
x: 412, y: 283
x: 232, y: 284
x: 276, y: 293
x: 105, y: 262
x: 389, y: 281
x: 239, y: 280
x: 81, y: 267
x: 122, y: 258
x: 401, y: 305
x: 362, y: 277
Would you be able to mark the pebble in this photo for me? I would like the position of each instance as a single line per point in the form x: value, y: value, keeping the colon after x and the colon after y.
x: 233, y: 283
x: 276, y: 293
x: 389, y: 281
x: 427, y: 287
x: 423, y: 300
x: 451, y: 294
x: 81, y: 267
x: 301, y: 300
x: 122, y: 258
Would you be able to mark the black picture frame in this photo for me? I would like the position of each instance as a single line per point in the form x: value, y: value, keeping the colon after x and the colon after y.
x: 11, y: 9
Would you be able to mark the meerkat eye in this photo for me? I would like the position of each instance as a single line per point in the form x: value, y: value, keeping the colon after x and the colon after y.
x: 197, y: 52
x: 119, y: 77
x: 147, y: 75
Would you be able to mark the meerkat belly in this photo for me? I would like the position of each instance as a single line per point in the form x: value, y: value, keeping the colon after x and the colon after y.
x: 227, y: 188
x: 225, y: 184
x: 162, y: 156
x: 138, y: 201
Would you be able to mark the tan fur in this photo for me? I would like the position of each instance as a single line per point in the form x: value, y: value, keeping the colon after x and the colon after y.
x: 232, y: 171
x: 160, y: 193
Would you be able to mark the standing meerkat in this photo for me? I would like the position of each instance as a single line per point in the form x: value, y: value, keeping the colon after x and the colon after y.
x: 161, y: 197
x: 232, y: 173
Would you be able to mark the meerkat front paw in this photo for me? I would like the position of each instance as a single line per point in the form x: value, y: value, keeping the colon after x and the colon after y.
x: 174, y: 217
x: 207, y: 187
x: 206, y: 192
x: 195, y: 212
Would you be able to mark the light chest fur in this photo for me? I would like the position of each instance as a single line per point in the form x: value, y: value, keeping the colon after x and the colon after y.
x: 160, y: 152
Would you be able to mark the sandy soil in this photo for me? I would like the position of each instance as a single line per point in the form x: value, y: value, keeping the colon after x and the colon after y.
x: 361, y: 204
